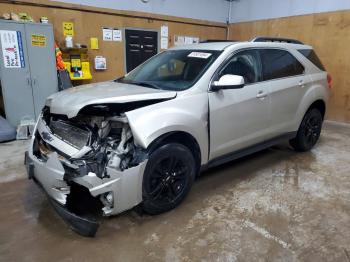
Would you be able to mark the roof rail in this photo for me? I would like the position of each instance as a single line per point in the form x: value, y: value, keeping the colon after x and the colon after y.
x: 217, y: 41
x: 276, y: 39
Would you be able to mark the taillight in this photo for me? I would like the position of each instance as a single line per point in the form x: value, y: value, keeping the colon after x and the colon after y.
x: 329, y: 81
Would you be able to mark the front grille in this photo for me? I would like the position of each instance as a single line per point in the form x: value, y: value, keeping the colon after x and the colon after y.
x: 72, y: 135
x: 42, y: 150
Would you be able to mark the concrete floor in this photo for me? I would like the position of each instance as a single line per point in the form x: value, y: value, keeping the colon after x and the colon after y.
x: 276, y: 205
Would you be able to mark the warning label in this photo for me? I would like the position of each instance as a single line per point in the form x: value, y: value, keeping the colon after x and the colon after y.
x: 38, y: 40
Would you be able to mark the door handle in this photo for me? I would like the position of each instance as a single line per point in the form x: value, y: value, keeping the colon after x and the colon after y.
x: 29, y: 81
x: 34, y: 81
x: 261, y: 94
x: 301, y: 83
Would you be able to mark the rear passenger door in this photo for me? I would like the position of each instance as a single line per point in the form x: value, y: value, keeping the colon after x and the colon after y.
x: 287, y: 82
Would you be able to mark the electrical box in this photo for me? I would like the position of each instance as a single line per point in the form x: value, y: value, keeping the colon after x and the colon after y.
x: 27, y: 68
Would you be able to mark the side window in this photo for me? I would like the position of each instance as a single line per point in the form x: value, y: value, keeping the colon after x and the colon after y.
x: 279, y: 64
x: 312, y: 56
x: 246, y: 64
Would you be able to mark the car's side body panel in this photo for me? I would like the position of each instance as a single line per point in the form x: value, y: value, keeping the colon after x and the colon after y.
x: 238, y: 118
x: 286, y: 94
x: 317, y: 91
x: 185, y: 113
x: 193, y: 111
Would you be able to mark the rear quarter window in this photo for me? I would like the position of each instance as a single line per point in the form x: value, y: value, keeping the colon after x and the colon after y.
x: 312, y: 56
x: 279, y: 64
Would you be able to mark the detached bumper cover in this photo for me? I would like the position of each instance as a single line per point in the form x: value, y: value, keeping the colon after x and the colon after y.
x: 81, y: 225
x: 49, y: 175
x: 126, y: 187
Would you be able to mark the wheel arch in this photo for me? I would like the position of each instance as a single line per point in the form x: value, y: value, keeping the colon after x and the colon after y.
x: 320, y: 105
x: 180, y: 137
x: 311, y: 99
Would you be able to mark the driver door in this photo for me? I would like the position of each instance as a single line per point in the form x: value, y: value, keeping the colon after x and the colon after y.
x: 239, y: 117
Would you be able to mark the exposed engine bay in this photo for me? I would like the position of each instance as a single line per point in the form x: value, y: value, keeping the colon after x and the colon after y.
x: 89, y: 165
x: 101, y: 141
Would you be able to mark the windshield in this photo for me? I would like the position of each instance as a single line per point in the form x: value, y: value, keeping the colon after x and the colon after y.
x: 172, y: 70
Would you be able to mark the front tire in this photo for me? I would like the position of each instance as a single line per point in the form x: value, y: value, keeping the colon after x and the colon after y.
x: 308, y: 132
x: 168, y: 178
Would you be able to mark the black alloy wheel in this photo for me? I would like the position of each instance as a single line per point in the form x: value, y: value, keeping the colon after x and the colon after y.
x: 168, y: 177
x: 309, y: 131
x: 312, y: 130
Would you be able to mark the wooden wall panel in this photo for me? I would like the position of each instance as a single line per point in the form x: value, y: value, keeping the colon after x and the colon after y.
x: 88, y: 23
x: 328, y: 33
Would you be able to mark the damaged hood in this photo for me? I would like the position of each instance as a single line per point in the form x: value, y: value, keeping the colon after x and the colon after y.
x: 70, y: 101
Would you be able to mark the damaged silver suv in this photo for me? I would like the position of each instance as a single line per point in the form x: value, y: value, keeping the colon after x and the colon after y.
x: 142, y: 139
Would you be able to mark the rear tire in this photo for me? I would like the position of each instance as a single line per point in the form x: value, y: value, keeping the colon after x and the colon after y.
x: 308, y: 132
x: 168, y: 178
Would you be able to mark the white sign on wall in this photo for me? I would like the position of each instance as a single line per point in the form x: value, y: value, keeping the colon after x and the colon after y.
x: 179, y: 40
x: 185, y: 40
x: 107, y: 34
x: 164, y: 43
x: 164, y: 31
x: 117, y: 35
x: 188, y: 40
x: 12, y: 49
x: 100, y: 63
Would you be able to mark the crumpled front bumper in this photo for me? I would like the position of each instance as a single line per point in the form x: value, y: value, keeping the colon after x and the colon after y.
x: 125, y: 186
x: 83, y: 226
x: 49, y: 175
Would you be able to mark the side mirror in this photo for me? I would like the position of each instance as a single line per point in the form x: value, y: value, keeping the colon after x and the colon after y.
x: 228, y: 82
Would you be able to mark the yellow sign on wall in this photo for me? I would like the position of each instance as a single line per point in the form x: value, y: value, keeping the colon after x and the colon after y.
x: 94, y: 43
x: 76, y: 62
x: 68, y: 29
x: 38, y: 40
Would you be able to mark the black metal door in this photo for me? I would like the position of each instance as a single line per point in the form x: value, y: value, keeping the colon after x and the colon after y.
x: 140, y: 46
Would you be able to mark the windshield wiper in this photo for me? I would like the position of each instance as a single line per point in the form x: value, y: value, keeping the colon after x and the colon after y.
x: 139, y: 83
x: 145, y: 84
x: 119, y: 80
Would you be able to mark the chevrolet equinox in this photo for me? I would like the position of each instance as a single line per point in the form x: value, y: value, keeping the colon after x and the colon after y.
x: 141, y: 140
